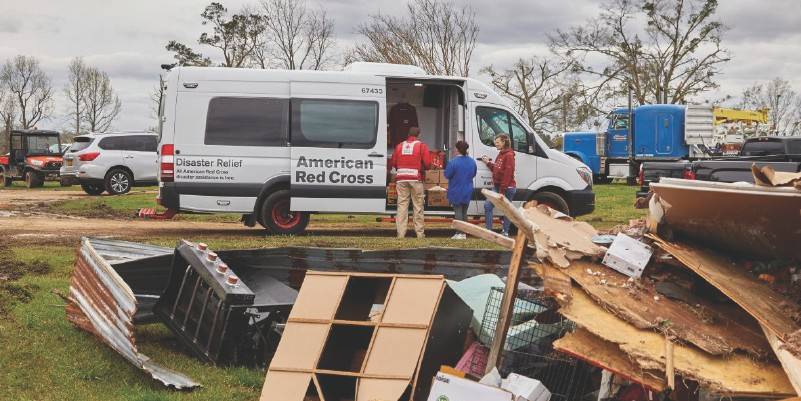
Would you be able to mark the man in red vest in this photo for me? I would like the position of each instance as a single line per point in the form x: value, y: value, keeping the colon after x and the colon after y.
x: 410, y: 160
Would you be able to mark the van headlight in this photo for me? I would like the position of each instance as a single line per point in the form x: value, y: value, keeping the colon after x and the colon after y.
x: 585, y: 175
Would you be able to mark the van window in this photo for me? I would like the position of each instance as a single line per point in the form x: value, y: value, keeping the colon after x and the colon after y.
x: 334, y: 123
x: 242, y: 121
x: 492, y: 121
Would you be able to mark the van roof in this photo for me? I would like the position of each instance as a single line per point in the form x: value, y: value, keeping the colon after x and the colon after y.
x: 350, y: 75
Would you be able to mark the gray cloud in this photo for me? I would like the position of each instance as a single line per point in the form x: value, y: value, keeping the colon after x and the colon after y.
x: 127, y: 39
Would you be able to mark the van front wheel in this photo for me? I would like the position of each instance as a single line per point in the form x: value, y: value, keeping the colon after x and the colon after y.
x: 276, y: 216
x: 554, y: 201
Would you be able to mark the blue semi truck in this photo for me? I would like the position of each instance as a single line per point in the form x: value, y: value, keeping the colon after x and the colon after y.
x: 662, y: 132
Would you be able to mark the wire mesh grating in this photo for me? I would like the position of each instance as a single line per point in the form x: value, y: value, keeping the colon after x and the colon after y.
x: 529, y: 351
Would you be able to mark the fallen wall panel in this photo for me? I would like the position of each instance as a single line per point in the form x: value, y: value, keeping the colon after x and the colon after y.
x: 734, y: 375
x: 640, y: 305
x: 759, y: 300
x: 606, y: 355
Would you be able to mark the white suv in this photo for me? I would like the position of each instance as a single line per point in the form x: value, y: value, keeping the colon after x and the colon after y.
x: 112, y: 162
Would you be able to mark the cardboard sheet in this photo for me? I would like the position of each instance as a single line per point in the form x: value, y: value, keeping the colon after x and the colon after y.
x: 561, y: 239
x: 734, y: 375
x: 643, y: 307
x: 606, y: 355
x: 759, y: 300
x: 767, y: 176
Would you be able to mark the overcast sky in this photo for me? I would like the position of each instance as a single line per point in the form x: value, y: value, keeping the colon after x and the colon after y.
x: 127, y: 38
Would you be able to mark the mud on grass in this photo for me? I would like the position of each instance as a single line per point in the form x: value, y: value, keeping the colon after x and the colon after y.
x: 11, y: 270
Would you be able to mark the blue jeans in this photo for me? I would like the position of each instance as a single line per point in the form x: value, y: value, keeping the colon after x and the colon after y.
x: 488, y: 207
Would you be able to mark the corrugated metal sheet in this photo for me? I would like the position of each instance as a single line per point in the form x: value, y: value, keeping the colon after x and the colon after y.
x: 104, y: 305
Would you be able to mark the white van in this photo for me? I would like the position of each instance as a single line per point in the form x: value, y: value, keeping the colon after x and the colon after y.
x: 279, y: 145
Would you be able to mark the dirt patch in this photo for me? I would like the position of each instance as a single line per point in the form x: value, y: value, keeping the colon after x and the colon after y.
x: 12, y: 269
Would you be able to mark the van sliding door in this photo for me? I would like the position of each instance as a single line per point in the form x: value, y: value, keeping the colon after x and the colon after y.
x: 339, y: 144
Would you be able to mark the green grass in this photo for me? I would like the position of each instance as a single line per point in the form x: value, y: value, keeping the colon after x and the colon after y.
x: 43, y: 357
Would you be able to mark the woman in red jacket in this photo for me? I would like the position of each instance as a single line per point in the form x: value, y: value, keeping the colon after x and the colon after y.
x: 503, y: 177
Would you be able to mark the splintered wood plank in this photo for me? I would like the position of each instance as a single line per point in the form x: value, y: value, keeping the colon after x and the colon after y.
x: 395, y: 351
x: 606, y: 355
x: 759, y: 300
x: 791, y: 364
x: 507, y: 303
x: 285, y: 386
x: 319, y: 296
x: 721, y: 334
x: 483, y: 233
x: 555, y: 282
x: 736, y: 375
x: 380, y: 389
x: 300, y: 346
x: 413, y: 300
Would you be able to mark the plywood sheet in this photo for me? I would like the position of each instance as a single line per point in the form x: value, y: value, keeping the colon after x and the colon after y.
x: 381, y: 389
x: 319, y: 296
x: 641, y: 306
x: 735, y: 375
x: 395, y: 351
x: 413, y: 300
x: 285, y: 386
x: 791, y: 364
x: 554, y: 281
x: 606, y: 355
x: 300, y: 346
x: 759, y: 300
x: 760, y: 222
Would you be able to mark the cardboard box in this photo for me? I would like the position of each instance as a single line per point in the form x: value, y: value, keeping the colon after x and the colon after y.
x: 437, y: 198
x: 452, y: 388
x: 432, y: 177
x: 525, y: 388
x: 442, y: 179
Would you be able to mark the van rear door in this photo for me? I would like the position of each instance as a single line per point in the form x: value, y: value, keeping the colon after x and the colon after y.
x: 338, y: 146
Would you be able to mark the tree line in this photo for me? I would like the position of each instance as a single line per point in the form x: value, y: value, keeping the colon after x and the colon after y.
x: 658, y: 51
x: 27, y: 97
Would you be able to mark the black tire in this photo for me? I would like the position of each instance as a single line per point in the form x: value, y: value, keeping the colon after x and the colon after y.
x: 64, y: 183
x: 555, y: 201
x: 92, y: 189
x: 118, y: 181
x: 276, y: 217
x: 602, y: 180
x: 33, y: 179
x: 6, y: 180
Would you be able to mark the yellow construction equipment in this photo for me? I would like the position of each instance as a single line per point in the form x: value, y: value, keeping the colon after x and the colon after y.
x: 724, y: 115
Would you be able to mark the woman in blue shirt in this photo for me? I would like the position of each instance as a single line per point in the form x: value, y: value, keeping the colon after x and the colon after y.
x: 460, y: 173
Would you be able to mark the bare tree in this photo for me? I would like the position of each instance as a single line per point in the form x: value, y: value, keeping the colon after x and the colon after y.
x: 101, y: 104
x: 295, y: 37
x: 544, y: 92
x: 675, y: 55
x: 8, y: 113
x: 235, y: 36
x: 30, y: 89
x: 435, y: 35
x: 783, y: 103
x: 75, y: 90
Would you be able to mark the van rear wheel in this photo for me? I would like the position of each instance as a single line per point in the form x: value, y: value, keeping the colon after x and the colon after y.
x: 278, y: 218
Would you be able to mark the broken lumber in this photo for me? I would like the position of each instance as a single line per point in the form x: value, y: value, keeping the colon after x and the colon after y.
x: 735, y: 375
x: 483, y: 233
x: 606, y: 355
x: 555, y: 282
x: 641, y: 305
x: 759, y: 300
x: 555, y: 237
